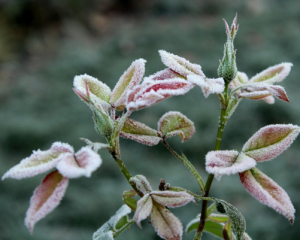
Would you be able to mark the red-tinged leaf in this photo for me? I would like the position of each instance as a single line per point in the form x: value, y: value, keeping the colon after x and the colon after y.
x: 152, y: 92
x: 255, y: 95
x: 180, y: 64
x: 227, y: 232
x: 273, y: 74
x: 240, y: 79
x: 165, y: 223
x: 208, y: 85
x: 130, y: 78
x: 141, y: 184
x: 143, y: 210
x: 139, y: 132
x: 278, y: 92
x: 227, y: 162
x: 173, y: 123
x: 39, y: 161
x: 270, y: 141
x: 92, y: 89
x: 165, y: 74
x: 171, y: 199
x: 83, y: 163
x: 266, y: 191
x: 46, y: 197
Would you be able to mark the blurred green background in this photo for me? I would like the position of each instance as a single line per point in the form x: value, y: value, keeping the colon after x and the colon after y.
x: 44, y: 44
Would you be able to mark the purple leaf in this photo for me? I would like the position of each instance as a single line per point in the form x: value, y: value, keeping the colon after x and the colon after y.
x: 266, y: 191
x: 46, y: 197
x: 171, y: 199
x: 270, y: 141
x: 227, y: 162
x: 143, y: 210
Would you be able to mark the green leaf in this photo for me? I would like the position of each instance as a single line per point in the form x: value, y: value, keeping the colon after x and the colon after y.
x: 103, y: 123
x: 232, y: 105
x: 214, y: 228
x: 227, y: 232
x: 175, y: 123
x: 129, y: 200
x: 219, y: 218
x: 236, y: 218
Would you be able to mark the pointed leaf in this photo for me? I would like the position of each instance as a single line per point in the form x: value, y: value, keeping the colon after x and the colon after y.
x: 139, y: 132
x: 92, y: 89
x: 46, y: 197
x: 129, y: 200
x: 105, y: 236
x: 131, y: 77
x: 141, y: 184
x: 171, y: 199
x: 173, y: 123
x: 266, y: 191
x: 246, y: 237
x: 227, y: 162
x: 232, y: 105
x: 167, y: 73
x: 180, y: 64
x: 273, y: 74
x: 143, y: 210
x: 83, y: 163
x: 39, y: 161
x: 208, y: 85
x: 152, y: 92
x: 165, y: 223
x: 227, y: 232
x: 270, y: 141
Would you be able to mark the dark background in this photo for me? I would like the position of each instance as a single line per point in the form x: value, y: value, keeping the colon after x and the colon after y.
x: 44, y: 44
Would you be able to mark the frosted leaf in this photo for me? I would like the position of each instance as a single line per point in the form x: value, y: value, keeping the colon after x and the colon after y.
x: 246, y: 237
x: 173, y: 123
x: 151, y: 92
x: 219, y: 218
x: 208, y: 85
x: 266, y: 191
x: 180, y: 64
x: 240, y: 79
x: 269, y: 99
x: 46, y: 197
x: 171, y: 199
x: 270, y: 141
x: 165, y: 74
x: 143, y: 210
x: 95, y: 146
x: 227, y: 162
x: 130, y: 78
x: 93, y: 89
x: 105, y: 232
x: 139, y: 132
x: 165, y: 223
x: 39, y: 161
x: 83, y: 163
x: 231, y: 32
x: 273, y: 74
x: 141, y: 183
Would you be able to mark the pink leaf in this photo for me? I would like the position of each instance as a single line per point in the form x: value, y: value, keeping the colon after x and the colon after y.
x: 171, y: 199
x: 141, y: 183
x: 180, y: 64
x: 165, y: 223
x: 208, y: 85
x: 143, y: 139
x: 39, y: 161
x: 167, y: 73
x: 227, y: 162
x: 143, y: 210
x: 240, y: 79
x: 173, y: 123
x: 270, y: 141
x: 83, y: 163
x: 130, y: 78
x: 46, y: 197
x: 151, y: 92
x: 266, y: 191
x: 273, y: 74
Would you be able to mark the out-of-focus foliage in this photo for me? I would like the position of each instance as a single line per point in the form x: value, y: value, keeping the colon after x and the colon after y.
x: 44, y: 44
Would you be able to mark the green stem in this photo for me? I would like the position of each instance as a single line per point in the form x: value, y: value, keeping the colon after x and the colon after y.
x: 222, y: 123
x: 186, y: 163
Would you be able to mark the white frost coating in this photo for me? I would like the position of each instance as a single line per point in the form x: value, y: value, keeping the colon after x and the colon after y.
x: 270, y: 141
x: 268, y: 192
x: 143, y: 209
x: 208, y: 85
x: 130, y: 78
x: 144, y: 139
x: 180, y: 64
x: 39, y: 161
x: 99, y: 92
x: 83, y: 163
x: 269, y: 99
x: 141, y: 183
x: 167, y: 73
x: 196, y: 220
x: 165, y: 223
x: 105, y: 236
x: 43, y: 202
x: 94, y: 146
x: 151, y: 92
x: 273, y: 74
x: 227, y: 162
x: 171, y: 199
x: 240, y: 79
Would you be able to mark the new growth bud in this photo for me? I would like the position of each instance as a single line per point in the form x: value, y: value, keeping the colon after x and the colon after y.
x: 227, y: 68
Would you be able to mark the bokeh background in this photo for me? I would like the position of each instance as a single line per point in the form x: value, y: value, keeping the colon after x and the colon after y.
x: 44, y: 44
